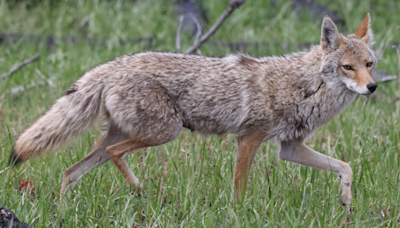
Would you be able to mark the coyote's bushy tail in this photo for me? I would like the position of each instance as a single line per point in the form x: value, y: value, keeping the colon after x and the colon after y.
x: 72, y: 114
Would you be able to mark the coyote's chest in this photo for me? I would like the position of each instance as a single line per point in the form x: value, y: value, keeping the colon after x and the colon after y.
x: 303, y: 118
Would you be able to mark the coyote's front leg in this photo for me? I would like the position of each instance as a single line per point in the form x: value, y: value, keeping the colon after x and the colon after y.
x: 296, y: 151
x: 247, y: 148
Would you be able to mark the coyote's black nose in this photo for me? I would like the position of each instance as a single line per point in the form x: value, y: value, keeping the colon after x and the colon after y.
x: 372, y: 87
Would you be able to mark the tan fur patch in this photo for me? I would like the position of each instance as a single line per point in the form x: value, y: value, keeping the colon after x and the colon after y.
x: 248, y: 61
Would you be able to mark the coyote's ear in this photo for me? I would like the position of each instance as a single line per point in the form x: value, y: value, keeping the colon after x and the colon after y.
x: 331, y: 38
x: 364, y: 31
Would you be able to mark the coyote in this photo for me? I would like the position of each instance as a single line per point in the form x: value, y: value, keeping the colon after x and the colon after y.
x: 146, y: 99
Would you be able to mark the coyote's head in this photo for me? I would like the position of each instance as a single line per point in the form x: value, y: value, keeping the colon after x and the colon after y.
x: 351, y: 57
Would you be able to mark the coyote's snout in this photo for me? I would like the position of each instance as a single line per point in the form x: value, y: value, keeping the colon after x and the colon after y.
x: 147, y: 98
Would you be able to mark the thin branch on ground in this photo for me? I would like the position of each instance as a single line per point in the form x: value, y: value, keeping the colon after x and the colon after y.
x: 19, y: 89
x: 233, y: 4
x: 388, y: 78
x: 198, y: 35
x: 178, y: 35
x: 18, y: 66
x: 382, y: 76
x: 45, y: 78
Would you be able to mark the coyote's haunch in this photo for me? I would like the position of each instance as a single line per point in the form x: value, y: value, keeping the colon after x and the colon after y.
x: 147, y: 98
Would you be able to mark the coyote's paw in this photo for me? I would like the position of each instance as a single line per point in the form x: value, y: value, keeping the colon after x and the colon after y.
x: 346, y: 192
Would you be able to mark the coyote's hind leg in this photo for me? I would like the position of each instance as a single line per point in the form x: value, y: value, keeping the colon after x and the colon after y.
x: 95, y: 158
x: 119, y: 151
x: 297, y: 152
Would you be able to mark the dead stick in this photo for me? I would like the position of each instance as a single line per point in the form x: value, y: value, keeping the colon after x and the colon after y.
x: 23, y: 63
x: 178, y: 35
x: 19, y: 89
x: 45, y: 78
x: 233, y: 4
x: 198, y: 32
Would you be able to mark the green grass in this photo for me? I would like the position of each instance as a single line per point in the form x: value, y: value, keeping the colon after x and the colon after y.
x: 188, y: 181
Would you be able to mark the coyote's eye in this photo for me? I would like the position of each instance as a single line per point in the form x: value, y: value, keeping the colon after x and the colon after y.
x: 369, y: 64
x: 347, y: 67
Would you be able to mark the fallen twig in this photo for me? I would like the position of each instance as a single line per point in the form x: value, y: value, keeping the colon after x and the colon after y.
x: 233, y: 4
x: 45, y: 78
x: 388, y: 78
x: 18, y: 89
x: 196, y: 40
x: 178, y: 35
x: 16, y: 67
x: 382, y: 76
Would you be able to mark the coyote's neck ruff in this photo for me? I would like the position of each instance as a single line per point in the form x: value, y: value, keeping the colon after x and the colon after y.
x: 148, y: 97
